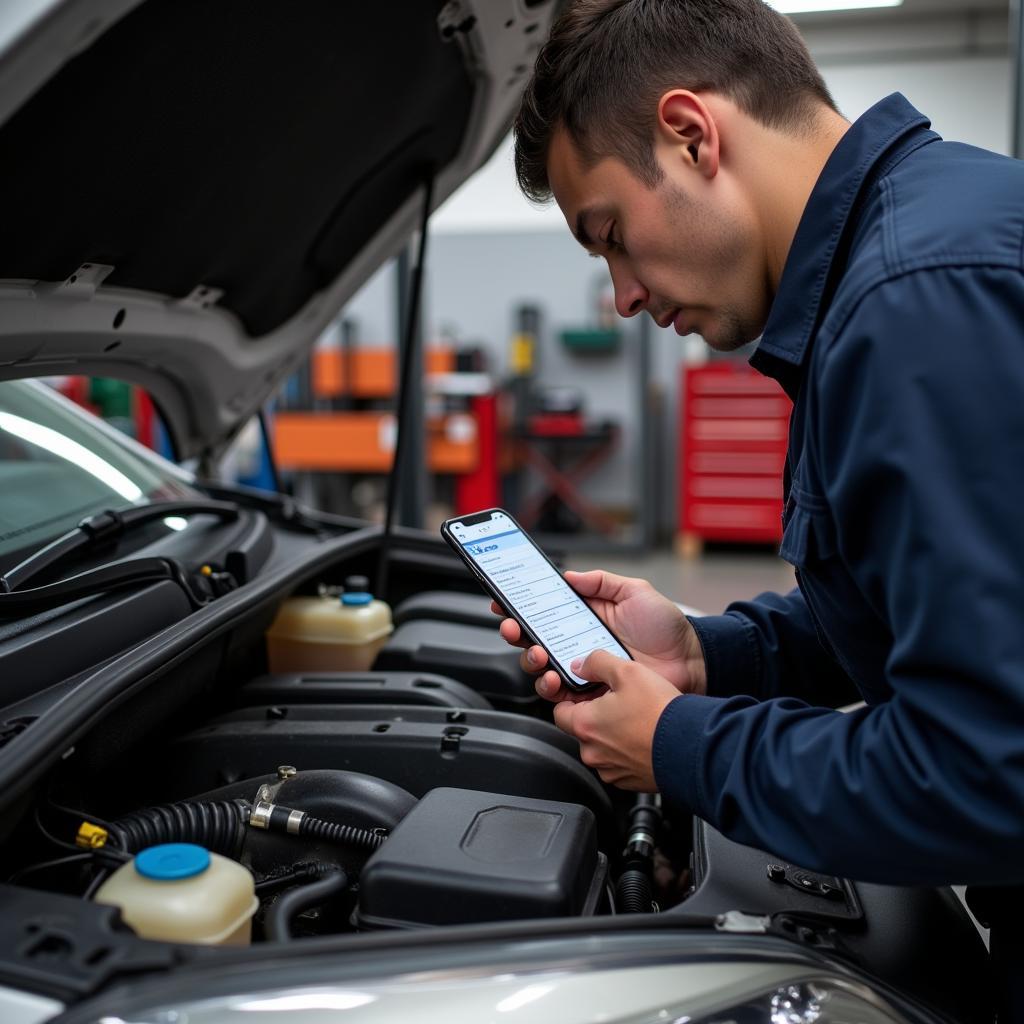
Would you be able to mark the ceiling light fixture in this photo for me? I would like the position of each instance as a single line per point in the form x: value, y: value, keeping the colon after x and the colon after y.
x: 811, y: 6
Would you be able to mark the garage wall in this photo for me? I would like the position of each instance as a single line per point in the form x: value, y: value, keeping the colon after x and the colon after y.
x: 491, y: 250
x: 954, y: 67
x: 477, y: 279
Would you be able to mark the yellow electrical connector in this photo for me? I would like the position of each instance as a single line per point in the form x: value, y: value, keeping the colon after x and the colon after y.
x: 90, y: 836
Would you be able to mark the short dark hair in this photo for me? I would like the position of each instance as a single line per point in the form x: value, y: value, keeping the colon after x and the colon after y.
x: 607, y: 62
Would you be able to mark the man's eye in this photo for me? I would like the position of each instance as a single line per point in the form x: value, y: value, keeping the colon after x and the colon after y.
x: 614, y: 243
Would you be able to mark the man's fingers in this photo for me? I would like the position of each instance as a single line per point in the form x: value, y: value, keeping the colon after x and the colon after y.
x: 564, y: 714
x: 511, y: 633
x: 601, y: 667
x: 533, y: 659
x: 549, y: 686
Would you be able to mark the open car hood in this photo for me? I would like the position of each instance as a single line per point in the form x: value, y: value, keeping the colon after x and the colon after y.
x: 190, y: 191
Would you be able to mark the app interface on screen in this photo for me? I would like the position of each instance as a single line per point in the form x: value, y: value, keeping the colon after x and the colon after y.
x: 536, y: 591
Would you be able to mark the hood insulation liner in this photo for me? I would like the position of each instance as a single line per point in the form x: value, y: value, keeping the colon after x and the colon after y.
x: 251, y: 146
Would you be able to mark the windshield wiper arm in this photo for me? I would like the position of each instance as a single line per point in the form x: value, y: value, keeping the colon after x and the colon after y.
x: 107, y: 526
x: 99, y: 580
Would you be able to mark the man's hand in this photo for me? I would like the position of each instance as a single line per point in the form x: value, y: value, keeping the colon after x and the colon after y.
x: 652, y: 628
x: 616, y: 729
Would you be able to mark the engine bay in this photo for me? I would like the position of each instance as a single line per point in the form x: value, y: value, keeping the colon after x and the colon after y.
x: 395, y: 797
x: 430, y: 791
x: 401, y: 817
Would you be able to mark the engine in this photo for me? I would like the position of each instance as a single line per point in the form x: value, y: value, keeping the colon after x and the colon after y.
x: 396, y: 817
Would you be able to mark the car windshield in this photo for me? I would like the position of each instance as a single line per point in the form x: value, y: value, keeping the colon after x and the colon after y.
x: 59, y: 464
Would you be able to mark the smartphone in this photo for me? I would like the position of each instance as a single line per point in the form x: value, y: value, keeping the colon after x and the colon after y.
x: 525, y: 582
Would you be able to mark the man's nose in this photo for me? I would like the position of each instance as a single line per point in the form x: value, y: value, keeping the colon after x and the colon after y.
x: 630, y: 295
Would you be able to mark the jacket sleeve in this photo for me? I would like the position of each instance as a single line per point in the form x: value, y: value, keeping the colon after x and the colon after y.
x: 920, y: 425
x: 769, y: 647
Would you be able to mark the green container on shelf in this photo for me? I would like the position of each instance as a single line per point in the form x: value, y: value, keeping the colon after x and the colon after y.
x: 591, y: 340
x: 112, y: 397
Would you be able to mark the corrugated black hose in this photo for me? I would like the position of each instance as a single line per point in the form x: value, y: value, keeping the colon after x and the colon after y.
x: 219, y: 825
x: 634, y: 892
x: 348, y: 835
x: 222, y: 826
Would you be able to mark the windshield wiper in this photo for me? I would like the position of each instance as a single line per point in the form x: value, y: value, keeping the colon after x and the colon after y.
x: 282, y: 508
x: 105, y: 527
x: 198, y: 590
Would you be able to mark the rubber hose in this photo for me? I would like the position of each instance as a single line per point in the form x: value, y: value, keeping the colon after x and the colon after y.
x: 277, y: 924
x: 633, y: 893
x: 219, y: 825
x: 334, y: 832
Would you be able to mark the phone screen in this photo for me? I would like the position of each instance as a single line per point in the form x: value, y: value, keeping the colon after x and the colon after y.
x: 534, y: 590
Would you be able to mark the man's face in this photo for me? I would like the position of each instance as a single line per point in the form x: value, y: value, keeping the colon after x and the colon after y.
x: 685, y: 250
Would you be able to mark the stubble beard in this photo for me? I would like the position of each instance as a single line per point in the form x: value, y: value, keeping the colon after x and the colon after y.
x: 731, y: 332
x: 731, y: 329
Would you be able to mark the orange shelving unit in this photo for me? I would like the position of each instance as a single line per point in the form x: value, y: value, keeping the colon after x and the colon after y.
x: 373, y: 371
x: 349, y: 432
x: 364, y: 442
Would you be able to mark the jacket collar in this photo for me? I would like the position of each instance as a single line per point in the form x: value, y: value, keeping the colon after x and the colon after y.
x: 874, y: 143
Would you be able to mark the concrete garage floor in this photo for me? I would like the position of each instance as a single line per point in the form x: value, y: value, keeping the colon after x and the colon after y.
x: 707, y: 583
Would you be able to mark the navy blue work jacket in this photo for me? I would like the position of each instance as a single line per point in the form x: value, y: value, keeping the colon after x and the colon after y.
x: 898, y: 330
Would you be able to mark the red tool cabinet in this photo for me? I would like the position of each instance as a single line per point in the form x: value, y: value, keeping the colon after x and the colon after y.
x: 734, y: 427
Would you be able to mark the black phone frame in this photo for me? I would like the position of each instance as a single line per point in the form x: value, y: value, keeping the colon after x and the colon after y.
x: 474, y: 519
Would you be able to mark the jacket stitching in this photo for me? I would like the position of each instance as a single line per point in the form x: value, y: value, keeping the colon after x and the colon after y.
x: 890, y: 247
x: 960, y: 261
x: 853, y: 187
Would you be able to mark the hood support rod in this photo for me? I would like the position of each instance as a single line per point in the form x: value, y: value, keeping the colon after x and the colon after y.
x: 405, y: 382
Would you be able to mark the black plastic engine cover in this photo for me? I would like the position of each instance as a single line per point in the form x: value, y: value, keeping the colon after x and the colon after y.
x: 462, y: 856
x: 360, y: 688
x: 417, y: 748
x: 474, y: 655
x: 447, y: 606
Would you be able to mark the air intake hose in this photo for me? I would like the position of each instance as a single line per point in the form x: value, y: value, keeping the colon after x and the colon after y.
x: 218, y: 825
x: 222, y: 826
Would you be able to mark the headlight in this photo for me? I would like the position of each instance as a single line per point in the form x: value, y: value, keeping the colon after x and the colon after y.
x: 709, y: 992
x: 821, y: 1001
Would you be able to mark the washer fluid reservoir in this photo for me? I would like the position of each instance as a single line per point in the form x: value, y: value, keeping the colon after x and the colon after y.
x: 329, y: 633
x: 180, y: 892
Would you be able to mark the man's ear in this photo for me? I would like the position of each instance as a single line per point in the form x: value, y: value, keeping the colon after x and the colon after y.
x: 687, y: 127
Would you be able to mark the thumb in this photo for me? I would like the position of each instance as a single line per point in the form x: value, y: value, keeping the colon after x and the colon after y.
x: 600, y: 666
x: 586, y: 584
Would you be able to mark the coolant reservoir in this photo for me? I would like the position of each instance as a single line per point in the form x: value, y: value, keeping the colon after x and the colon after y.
x: 179, y: 892
x: 328, y: 633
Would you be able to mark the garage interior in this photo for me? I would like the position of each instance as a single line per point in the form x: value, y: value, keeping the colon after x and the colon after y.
x: 517, y: 327
x: 617, y: 444
x: 484, y: 366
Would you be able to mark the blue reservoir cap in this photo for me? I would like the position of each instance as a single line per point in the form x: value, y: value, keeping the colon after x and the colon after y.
x: 357, y: 598
x: 170, y: 861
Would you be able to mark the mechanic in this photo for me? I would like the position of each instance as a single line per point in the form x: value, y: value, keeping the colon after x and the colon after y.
x: 694, y: 146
